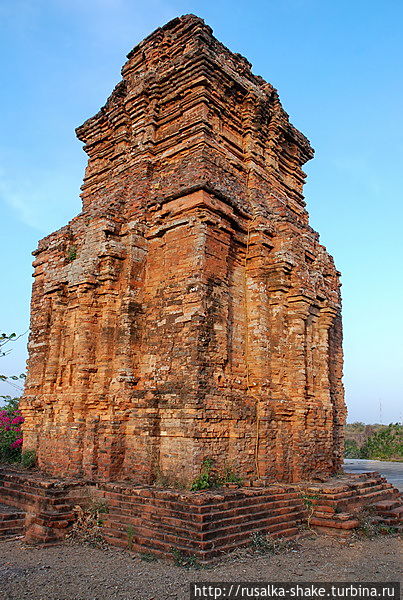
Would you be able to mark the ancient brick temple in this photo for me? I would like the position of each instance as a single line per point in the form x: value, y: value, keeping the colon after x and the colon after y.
x: 189, y: 310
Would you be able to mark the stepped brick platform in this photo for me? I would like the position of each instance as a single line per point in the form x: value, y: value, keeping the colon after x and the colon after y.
x: 390, y: 513
x: 338, y: 501
x: 12, y: 522
x: 202, y: 524
x: 47, y: 503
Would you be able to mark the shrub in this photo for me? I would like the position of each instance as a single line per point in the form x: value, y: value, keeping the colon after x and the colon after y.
x: 207, y: 479
x: 28, y: 459
x: 211, y: 477
x: 385, y: 444
x: 10, y: 432
x: 181, y: 559
x: 71, y: 254
x: 87, y: 528
x: 262, y: 543
x: 351, y: 449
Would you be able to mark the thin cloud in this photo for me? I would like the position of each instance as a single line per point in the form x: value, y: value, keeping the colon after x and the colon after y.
x: 122, y: 21
x: 44, y: 201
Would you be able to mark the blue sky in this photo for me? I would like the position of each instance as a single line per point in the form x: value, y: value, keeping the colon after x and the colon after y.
x: 338, y: 68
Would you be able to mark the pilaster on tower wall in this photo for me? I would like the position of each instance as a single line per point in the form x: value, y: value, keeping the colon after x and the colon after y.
x: 189, y: 311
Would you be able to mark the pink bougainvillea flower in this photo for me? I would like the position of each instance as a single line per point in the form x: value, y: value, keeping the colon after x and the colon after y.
x: 17, y: 443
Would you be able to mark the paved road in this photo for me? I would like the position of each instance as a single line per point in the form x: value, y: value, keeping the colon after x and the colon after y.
x: 393, y: 471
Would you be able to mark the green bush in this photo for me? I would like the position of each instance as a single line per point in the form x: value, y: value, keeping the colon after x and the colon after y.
x: 28, y: 459
x: 351, y: 449
x: 207, y: 479
x: 210, y: 477
x: 385, y: 444
x: 10, y: 432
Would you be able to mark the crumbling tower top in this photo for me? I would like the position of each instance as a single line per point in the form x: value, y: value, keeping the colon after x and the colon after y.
x: 183, y: 91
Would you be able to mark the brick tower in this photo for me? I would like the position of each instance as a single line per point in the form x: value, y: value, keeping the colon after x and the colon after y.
x: 189, y: 310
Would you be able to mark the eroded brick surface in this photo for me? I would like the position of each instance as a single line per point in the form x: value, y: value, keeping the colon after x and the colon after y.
x: 189, y: 310
x: 204, y: 524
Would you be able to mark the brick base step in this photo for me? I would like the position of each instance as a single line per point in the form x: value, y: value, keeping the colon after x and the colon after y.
x: 374, y: 492
x: 386, y: 505
x: 389, y: 513
x: 347, y: 524
x: 397, y: 513
x: 337, y: 506
x: 285, y: 532
x: 204, y: 524
x: 387, y: 523
x: 333, y: 531
x: 203, y: 555
x: 12, y: 522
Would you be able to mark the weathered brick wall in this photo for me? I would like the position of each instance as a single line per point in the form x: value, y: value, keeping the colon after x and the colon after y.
x: 204, y: 524
x: 189, y: 310
x: 46, y: 503
x: 337, y: 504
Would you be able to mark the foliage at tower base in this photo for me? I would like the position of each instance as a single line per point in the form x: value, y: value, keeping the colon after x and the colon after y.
x: 385, y: 443
x: 10, y: 432
x: 11, y: 418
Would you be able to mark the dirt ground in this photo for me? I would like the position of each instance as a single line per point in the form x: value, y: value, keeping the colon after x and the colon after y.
x: 79, y: 572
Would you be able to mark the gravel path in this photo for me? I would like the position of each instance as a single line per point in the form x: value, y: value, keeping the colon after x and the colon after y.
x: 78, y: 572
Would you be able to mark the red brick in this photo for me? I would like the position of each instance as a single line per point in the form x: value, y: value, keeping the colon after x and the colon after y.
x: 189, y: 311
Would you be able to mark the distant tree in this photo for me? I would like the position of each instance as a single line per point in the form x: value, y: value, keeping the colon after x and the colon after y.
x: 385, y: 444
x: 10, y: 379
x: 356, y: 426
x: 351, y: 449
